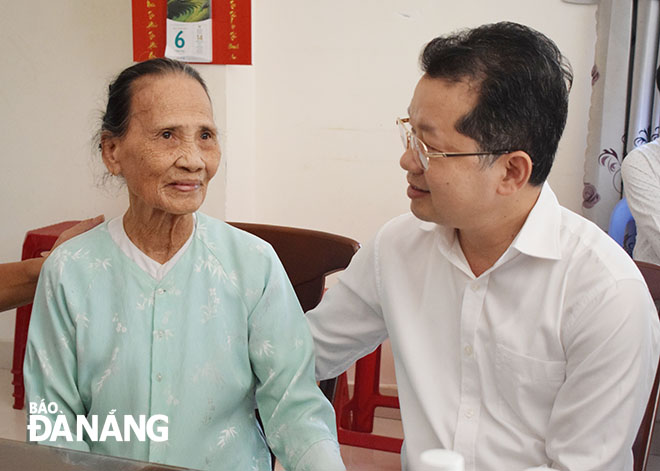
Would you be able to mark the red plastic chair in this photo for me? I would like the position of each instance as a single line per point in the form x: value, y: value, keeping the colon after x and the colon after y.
x: 355, y: 415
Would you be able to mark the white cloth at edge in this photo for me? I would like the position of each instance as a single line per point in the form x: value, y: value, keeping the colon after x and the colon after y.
x: 546, y: 359
x: 641, y: 185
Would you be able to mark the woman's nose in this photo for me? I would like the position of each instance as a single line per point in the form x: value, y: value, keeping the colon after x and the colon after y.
x: 191, y: 158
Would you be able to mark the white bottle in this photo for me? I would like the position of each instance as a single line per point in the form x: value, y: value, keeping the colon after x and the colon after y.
x: 442, y: 460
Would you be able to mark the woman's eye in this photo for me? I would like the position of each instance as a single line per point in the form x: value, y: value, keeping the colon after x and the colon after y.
x: 206, y: 135
x: 166, y: 134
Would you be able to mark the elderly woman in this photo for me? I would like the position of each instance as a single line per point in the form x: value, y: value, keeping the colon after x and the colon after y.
x: 166, y: 312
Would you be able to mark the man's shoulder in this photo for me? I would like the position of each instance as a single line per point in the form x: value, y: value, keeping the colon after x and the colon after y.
x: 588, y: 250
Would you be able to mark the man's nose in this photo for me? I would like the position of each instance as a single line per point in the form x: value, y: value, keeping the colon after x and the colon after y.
x: 409, y: 161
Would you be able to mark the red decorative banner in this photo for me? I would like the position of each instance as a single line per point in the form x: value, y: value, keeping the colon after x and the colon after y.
x: 232, y: 30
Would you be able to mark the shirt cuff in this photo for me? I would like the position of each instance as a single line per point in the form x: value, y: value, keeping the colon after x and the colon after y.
x: 321, y: 456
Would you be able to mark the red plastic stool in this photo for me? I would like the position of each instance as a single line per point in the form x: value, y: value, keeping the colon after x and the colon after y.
x: 355, y: 415
x: 36, y: 241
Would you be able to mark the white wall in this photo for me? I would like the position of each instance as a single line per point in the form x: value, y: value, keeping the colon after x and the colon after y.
x: 309, y: 136
x: 330, y: 79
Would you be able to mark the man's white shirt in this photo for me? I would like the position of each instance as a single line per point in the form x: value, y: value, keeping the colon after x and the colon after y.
x: 546, y: 359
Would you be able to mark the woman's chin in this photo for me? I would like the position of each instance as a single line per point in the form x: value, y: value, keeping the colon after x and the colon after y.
x: 185, y: 209
x: 184, y: 204
x: 178, y: 209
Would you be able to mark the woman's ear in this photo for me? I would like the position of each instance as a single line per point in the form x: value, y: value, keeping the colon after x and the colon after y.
x: 517, y: 170
x: 108, y: 147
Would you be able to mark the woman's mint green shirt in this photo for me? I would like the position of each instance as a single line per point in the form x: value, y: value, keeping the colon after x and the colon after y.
x: 220, y: 334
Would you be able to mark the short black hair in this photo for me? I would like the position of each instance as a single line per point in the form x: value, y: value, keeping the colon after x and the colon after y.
x: 522, y: 82
x: 120, y: 93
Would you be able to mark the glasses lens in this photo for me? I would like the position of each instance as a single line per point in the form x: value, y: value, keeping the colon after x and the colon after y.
x: 419, y: 152
x: 403, y: 133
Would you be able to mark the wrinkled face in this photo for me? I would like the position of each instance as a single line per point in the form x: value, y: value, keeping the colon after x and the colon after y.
x: 453, y: 191
x: 170, y: 151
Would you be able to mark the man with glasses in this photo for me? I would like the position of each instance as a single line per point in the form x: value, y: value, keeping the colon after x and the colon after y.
x: 523, y: 336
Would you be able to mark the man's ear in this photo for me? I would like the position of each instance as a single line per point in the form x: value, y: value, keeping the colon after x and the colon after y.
x: 516, y: 171
x: 108, y: 147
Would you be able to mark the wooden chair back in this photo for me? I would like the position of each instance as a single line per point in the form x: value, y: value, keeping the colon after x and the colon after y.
x: 308, y: 256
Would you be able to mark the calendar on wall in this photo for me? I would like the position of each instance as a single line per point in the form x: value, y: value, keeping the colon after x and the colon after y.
x: 198, y: 31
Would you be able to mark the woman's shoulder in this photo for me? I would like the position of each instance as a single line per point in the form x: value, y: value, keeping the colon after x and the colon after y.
x: 91, y: 239
x: 81, y: 250
x: 227, y: 241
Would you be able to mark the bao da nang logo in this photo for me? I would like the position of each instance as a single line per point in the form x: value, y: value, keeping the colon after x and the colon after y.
x: 41, y: 426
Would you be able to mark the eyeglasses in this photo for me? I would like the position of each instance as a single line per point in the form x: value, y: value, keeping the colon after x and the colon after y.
x: 421, y: 150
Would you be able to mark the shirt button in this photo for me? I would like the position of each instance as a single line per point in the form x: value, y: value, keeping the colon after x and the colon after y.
x: 159, y: 334
x: 469, y: 414
x: 159, y: 377
x: 468, y: 350
x: 160, y: 291
x: 475, y: 287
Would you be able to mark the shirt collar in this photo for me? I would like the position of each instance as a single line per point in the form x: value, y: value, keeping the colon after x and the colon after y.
x: 448, y: 244
x: 539, y: 236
